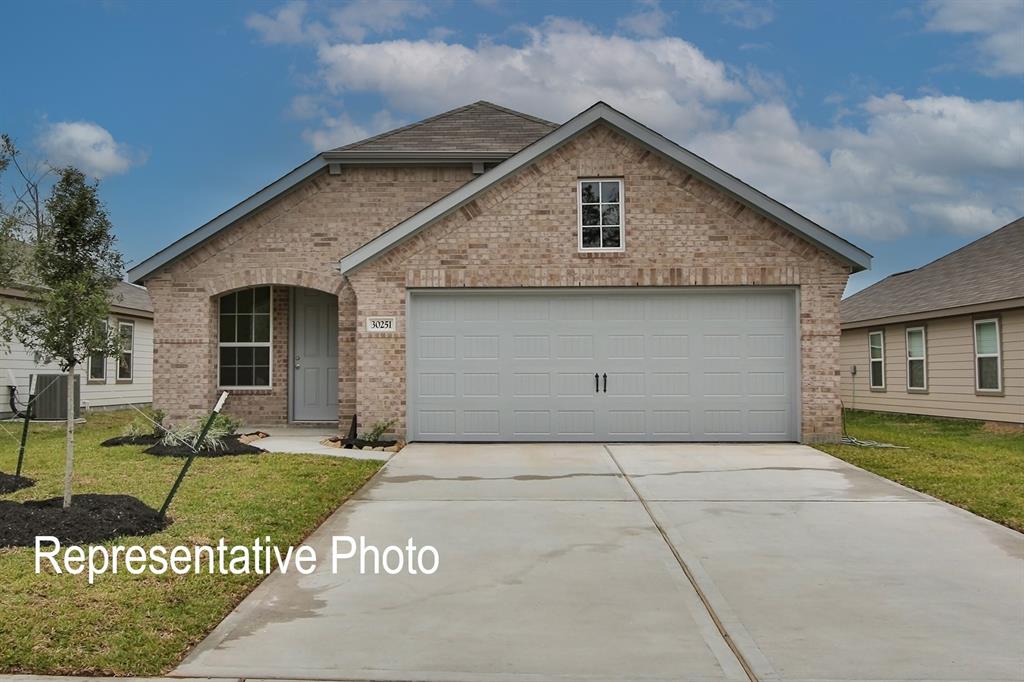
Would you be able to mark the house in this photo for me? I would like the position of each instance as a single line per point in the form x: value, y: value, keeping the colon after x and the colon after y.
x: 946, y: 339
x: 485, y: 275
x: 106, y: 382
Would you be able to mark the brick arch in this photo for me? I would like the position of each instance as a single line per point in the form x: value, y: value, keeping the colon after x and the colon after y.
x: 252, y: 277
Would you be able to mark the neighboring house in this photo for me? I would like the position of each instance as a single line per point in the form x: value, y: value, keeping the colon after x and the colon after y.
x: 946, y: 339
x: 485, y: 275
x: 106, y: 382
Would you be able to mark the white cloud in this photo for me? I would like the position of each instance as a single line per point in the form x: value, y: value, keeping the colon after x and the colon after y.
x: 999, y: 25
x: 88, y: 147
x: 285, y: 26
x: 561, y: 68
x: 649, y: 22
x: 339, y: 129
x: 749, y: 14
x: 360, y: 18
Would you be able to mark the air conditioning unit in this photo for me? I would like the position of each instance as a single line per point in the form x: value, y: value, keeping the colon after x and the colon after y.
x: 52, y: 397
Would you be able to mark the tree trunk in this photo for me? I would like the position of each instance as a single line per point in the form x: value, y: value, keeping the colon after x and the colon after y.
x: 69, y: 449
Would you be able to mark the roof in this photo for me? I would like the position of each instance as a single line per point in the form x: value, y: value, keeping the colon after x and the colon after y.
x: 126, y: 298
x: 857, y: 258
x: 479, y: 127
x: 482, y: 131
x: 987, y: 270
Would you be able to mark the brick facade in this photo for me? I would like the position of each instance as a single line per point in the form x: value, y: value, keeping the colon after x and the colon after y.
x: 679, y: 232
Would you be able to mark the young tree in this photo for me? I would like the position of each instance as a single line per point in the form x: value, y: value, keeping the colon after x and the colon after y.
x: 74, y: 267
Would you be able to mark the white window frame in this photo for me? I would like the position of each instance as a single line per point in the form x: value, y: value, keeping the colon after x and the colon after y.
x: 579, y: 217
x: 248, y: 344
x: 923, y: 358
x: 88, y: 370
x: 130, y: 352
x: 871, y: 361
x: 998, y: 355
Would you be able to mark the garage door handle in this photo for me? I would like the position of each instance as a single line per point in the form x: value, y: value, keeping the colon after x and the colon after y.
x: 597, y: 383
x: 605, y: 383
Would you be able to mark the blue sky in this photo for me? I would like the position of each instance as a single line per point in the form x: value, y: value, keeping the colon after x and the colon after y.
x: 898, y: 125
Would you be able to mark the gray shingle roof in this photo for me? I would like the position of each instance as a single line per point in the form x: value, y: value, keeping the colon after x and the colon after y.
x: 131, y: 296
x: 985, y: 271
x: 478, y: 127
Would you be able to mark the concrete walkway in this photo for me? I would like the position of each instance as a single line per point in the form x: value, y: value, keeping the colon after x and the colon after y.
x: 307, y: 440
x: 555, y: 565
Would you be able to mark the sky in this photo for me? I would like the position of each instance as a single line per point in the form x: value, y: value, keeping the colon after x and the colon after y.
x: 899, y: 126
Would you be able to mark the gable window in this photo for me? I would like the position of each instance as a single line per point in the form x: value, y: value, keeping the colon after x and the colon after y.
x: 98, y: 361
x: 126, y: 358
x: 600, y: 209
x: 244, y: 319
x: 987, y: 361
x: 917, y: 359
x: 876, y: 350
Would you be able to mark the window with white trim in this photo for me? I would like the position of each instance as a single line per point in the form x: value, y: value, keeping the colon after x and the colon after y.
x: 876, y: 355
x: 987, y: 360
x: 98, y: 361
x: 600, y: 209
x: 126, y: 357
x: 244, y: 338
x: 917, y: 359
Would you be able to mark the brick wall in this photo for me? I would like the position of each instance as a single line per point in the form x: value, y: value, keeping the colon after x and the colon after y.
x: 679, y: 231
x: 295, y: 241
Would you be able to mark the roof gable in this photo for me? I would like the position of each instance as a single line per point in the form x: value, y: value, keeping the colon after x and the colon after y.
x: 985, y: 271
x: 601, y: 112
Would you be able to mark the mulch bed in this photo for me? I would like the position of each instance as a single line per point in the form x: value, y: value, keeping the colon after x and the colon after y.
x: 233, y: 446
x: 358, y: 443
x: 91, y: 518
x: 9, y: 483
x: 148, y: 439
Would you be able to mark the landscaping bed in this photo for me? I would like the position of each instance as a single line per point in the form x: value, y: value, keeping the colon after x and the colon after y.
x: 143, y: 625
x: 146, y: 439
x: 10, y: 483
x: 961, y: 461
x: 91, y: 518
x: 229, y: 445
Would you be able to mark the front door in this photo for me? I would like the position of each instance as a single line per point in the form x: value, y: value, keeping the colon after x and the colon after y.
x: 314, y: 360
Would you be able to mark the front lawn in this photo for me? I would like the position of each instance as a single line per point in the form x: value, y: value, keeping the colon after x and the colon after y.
x: 959, y: 461
x: 143, y: 625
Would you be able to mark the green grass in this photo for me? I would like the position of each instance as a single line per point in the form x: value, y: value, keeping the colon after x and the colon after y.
x: 955, y: 460
x: 143, y: 625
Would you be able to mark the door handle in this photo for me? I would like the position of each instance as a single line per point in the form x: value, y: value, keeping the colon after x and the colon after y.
x: 597, y: 384
x: 606, y: 383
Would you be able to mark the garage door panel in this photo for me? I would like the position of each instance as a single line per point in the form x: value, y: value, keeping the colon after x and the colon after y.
x: 681, y: 365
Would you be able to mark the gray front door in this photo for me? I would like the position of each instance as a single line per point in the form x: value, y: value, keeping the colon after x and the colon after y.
x: 314, y: 360
x: 607, y: 365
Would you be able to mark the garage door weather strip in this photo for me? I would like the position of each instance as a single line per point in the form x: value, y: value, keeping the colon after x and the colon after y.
x: 689, y: 574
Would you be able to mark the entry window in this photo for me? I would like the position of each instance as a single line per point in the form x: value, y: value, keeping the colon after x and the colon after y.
x: 876, y: 350
x: 126, y: 358
x: 987, y: 361
x: 244, y: 318
x: 917, y: 359
x: 601, y: 215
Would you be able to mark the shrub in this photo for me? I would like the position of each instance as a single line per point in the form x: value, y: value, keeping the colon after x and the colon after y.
x: 378, y: 430
x: 216, y: 438
x: 149, y: 422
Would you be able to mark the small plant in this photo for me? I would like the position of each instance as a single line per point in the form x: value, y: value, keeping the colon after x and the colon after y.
x: 216, y: 438
x: 378, y: 430
x: 149, y: 423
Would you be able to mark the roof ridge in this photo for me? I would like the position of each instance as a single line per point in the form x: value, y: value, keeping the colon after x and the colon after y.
x: 408, y: 126
x: 520, y: 114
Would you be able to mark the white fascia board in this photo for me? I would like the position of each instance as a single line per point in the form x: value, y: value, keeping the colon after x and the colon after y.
x: 196, y: 237
x: 844, y: 250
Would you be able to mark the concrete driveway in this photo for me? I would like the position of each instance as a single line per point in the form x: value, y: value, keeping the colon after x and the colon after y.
x: 630, y: 562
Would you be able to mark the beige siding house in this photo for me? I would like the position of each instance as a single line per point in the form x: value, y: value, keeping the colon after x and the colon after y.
x: 106, y: 382
x: 946, y: 339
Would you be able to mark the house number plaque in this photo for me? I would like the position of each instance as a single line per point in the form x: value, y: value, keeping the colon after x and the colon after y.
x: 380, y: 324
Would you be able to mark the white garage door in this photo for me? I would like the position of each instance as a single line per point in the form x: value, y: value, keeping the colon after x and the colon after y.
x: 603, y: 365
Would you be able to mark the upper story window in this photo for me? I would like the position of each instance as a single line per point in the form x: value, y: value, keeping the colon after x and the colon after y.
x: 244, y: 319
x: 601, y: 215
x: 917, y: 359
x: 987, y: 361
x: 126, y: 359
x: 876, y: 355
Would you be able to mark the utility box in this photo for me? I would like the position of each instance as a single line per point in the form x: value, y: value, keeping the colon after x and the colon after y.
x: 52, y: 397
